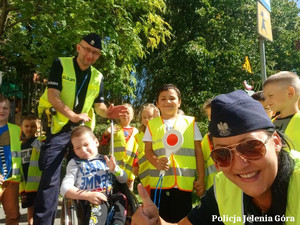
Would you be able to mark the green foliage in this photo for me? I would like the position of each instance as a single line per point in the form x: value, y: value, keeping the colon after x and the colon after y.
x: 36, y: 32
x: 210, y: 40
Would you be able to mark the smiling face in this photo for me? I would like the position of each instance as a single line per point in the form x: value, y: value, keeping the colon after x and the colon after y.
x: 277, y: 97
x: 254, y: 177
x: 168, y: 103
x: 85, y: 146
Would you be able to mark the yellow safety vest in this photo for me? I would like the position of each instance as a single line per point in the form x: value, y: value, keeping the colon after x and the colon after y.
x: 230, y: 198
x: 292, y: 131
x: 68, y: 93
x: 34, y: 173
x: 125, y: 153
x: 144, y: 164
x: 182, y: 167
x: 210, y: 168
x: 15, y: 148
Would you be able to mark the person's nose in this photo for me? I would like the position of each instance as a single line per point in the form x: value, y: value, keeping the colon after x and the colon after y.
x: 238, y: 160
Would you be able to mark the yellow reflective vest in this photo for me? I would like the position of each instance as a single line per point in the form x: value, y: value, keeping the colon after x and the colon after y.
x: 125, y: 153
x: 144, y: 164
x: 292, y: 131
x: 15, y: 148
x: 230, y: 198
x: 68, y: 94
x: 182, y: 167
x: 210, y: 168
x: 34, y: 173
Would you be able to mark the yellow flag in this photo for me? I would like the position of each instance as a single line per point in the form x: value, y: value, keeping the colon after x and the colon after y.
x: 247, y: 65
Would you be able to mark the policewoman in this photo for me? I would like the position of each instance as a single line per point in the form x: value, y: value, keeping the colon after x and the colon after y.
x: 259, y: 181
x: 74, y: 88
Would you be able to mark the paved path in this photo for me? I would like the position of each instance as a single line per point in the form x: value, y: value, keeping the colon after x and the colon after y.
x: 23, y: 220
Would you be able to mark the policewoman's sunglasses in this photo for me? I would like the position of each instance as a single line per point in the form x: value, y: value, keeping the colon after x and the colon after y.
x: 250, y: 150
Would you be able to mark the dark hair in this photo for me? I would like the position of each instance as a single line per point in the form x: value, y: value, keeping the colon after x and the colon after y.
x: 259, y: 96
x: 166, y: 87
x: 280, y: 185
x: 80, y: 130
x: 30, y: 117
x: 4, y: 99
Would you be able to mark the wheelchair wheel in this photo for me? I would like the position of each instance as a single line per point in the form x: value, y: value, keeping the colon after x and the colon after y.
x: 69, y: 212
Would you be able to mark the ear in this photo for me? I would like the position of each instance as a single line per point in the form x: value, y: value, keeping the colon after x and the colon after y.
x: 277, y: 142
x: 77, y: 47
x: 97, y: 142
x: 291, y: 91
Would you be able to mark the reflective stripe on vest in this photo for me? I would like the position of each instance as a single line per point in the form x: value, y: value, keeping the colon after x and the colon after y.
x: 142, y: 160
x: 124, y: 153
x: 210, y: 168
x: 34, y: 173
x: 182, y: 167
x: 15, y: 148
x: 230, y: 205
x: 68, y: 93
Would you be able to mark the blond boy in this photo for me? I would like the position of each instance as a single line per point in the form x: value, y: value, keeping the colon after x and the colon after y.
x: 282, y: 91
x: 10, y: 162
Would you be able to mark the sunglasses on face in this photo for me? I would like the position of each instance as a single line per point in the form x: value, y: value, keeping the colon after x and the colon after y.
x: 250, y: 150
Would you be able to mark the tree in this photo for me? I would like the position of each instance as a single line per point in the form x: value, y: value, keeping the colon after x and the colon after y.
x: 33, y: 33
x: 210, y: 41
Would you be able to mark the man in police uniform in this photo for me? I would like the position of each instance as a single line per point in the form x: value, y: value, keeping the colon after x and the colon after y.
x: 74, y: 87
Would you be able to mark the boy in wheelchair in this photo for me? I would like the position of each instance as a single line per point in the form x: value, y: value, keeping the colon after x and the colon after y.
x: 89, y: 178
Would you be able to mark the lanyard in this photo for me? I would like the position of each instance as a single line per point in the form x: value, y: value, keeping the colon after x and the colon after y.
x: 160, y: 180
x: 77, y: 94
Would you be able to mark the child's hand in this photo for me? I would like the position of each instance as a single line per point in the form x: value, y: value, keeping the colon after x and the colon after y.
x: 111, y: 163
x: 1, y: 179
x: 163, y: 164
x: 199, y: 186
x: 115, y: 130
x: 96, y: 198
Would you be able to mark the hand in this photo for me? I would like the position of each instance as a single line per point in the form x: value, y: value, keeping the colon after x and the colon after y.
x: 82, y: 117
x: 108, y: 130
x: 114, y: 112
x: 147, y: 213
x: 199, y: 186
x: 163, y: 164
x: 96, y: 198
x: 111, y: 163
x: 1, y: 179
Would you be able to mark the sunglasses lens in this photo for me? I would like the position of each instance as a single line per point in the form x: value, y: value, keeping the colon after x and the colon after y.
x: 221, y: 156
x: 252, y: 149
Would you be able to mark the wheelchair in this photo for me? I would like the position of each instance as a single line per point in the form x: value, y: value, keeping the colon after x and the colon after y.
x: 72, y: 213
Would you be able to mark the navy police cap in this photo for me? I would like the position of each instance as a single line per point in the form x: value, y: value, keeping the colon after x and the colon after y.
x: 93, y: 40
x: 237, y: 113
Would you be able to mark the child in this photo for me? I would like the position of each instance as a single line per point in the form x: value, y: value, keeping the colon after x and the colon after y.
x: 149, y: 112
x: 259, y: 96
x: 206, y: 144
x: 30, y: 151
x: 282, y: 91
x: 177, y: 185
x: 125, y: 145
x: 89, y: 177
x: 10, y: 163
